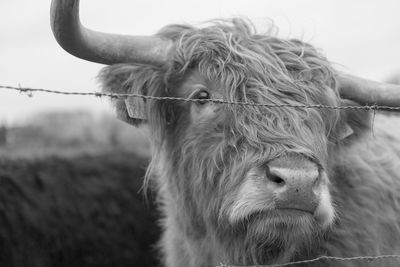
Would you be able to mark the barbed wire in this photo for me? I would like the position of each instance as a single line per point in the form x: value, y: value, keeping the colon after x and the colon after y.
x: 359, y: 258
x: 217, y: 101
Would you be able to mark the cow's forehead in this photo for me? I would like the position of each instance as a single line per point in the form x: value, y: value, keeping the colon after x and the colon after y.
x: 250, y: 62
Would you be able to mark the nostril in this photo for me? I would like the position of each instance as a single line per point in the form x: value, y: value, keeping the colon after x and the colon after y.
x: 276, y: 179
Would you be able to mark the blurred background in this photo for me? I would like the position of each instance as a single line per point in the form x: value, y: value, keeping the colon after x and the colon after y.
x: 52, y: 145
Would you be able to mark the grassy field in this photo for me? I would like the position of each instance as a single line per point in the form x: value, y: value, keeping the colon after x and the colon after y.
x: 84, y: 210
x: 71, y: 194
x: 69, y: 134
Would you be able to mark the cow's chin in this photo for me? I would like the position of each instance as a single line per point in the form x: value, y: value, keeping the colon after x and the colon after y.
x: 273, y: 236
x: 287, y: 229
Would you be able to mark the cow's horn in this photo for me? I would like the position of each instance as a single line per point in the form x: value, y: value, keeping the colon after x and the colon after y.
x: 101, y: 47
x: 367, y: 92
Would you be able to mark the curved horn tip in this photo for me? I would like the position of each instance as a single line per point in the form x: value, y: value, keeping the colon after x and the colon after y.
x: 101, y: 47
x: 367, y: 92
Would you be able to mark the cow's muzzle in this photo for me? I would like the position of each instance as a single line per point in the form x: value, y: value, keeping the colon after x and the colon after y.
x: 295, y: 182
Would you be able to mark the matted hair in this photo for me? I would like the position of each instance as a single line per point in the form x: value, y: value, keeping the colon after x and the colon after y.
x: 252, y: 67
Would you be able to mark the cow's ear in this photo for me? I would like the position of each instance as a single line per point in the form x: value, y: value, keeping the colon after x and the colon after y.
x: 131, y: 79
x: 354, y: 122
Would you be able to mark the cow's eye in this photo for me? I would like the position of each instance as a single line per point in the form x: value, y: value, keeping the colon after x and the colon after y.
x: 201, y: 95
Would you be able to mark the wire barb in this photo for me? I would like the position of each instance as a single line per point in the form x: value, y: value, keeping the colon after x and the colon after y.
x: 216, y: 101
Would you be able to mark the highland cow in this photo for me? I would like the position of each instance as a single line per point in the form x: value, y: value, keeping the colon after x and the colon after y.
x: 252, y: 184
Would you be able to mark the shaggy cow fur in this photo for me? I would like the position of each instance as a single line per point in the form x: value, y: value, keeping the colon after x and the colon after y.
x: 208, y: 159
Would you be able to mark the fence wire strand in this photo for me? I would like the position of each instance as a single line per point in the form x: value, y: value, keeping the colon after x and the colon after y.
x: 217, y: 101
x: 359, y: 258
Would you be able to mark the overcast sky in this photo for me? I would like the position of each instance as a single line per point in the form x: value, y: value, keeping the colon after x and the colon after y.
x: 362, y: 36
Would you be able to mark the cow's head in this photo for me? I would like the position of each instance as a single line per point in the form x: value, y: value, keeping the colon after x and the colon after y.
x: 252, y: 176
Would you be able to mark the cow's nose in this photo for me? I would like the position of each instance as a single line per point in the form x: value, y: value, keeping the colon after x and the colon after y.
x: 295, y: 183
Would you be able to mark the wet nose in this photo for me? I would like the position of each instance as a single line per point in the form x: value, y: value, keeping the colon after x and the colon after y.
x: 295, y: 182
